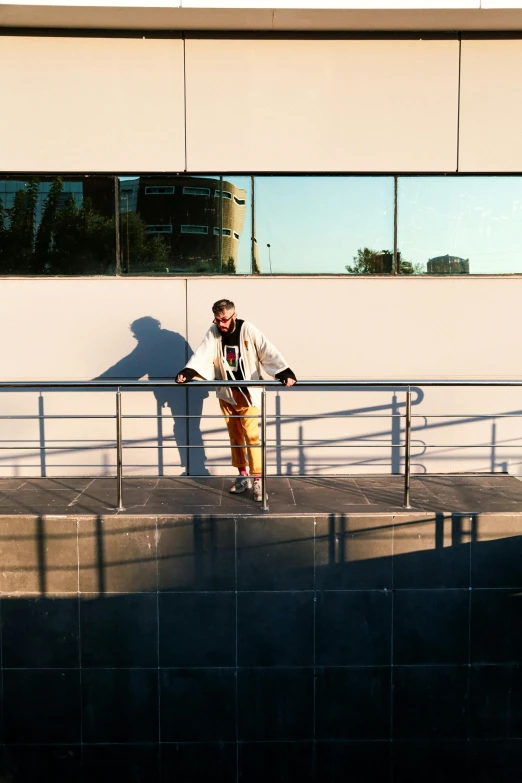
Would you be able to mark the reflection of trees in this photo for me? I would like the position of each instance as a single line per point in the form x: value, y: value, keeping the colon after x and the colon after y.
x: 380, y: 262
x: 147, y: 253
x: 70, y: 239
x: 74, y: 237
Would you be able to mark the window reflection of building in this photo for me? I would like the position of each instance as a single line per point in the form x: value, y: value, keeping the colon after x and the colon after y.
x: 448, y: 265
x: 189, y: 213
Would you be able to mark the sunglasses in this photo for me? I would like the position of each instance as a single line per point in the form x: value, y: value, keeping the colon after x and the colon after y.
x: 223, y: 320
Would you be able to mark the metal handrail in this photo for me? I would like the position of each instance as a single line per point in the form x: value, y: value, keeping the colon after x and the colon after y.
x: 263, y: 385
x: 346, y: 382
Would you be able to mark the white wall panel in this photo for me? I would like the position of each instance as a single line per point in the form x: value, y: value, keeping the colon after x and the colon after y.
x: 78, y: 330
x: 490, y: 106
x: 91, y: 104
x: 331, y: 105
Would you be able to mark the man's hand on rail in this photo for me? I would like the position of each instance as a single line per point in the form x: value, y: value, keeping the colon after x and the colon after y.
x: 287, y: 377
x: 185, y: 375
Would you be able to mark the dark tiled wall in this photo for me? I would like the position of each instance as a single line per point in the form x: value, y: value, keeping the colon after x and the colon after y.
x: 286, y: 649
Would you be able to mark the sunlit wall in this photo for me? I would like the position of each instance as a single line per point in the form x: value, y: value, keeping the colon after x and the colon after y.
x: 358, y: 198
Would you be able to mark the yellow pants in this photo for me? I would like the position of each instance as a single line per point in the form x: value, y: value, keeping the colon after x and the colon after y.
x: 243, y: 432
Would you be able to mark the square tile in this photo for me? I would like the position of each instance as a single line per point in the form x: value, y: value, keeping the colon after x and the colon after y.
x: 178, y: 483
x: 499, y: 761
x: 197, y: 629
x: 117, y: 554
x: 11, y: 484
x: 129, y: 763
x: 41, y: 503
x: 191, y: 762
x: 120, y: 705
x: 430, y: 626
x: 119, y: 631
x: 40, y: 632
x: 322, y: 495
x: 496, y: 551
x: 354, y: 552
x: 50, y: 484
x: 198, y: 705
x: 26, y: 763
x: 353, y: 628
x: 356, y: 762
x: 38, y: 556
x: 276, y: 704
x: 196, y: 553
x: 164, y: 501
x: 275, y: 553
x: 42, y: 706
x: 353, y: 703
x: 430, y: 702
x: 435, y: 759
x: 431, y: 550
x: 496, y: 627
x: 275, y: 629
x: 104, y: 502
x: 496, y: 702
x: 292, y: 762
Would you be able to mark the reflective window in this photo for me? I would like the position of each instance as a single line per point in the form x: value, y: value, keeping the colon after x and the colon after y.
x: 163, y: 228
x: 460, y: 225
x: 187, y: 191
x: 53, y: 225
x: 228, y: 224
x: 324, y: 224
x: 156, y: 190
x: 185, y: 225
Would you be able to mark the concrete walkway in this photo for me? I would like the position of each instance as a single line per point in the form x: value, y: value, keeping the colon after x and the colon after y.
x: 484, y: 493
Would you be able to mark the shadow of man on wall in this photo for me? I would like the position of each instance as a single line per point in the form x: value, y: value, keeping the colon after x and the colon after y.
x: 159, y: 355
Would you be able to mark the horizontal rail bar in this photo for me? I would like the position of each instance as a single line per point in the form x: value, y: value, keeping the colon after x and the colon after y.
x: 313, y: 478
x: 294, y: 416
x: 132, y: 384
x: 65, y: 416
x: 273, y: 444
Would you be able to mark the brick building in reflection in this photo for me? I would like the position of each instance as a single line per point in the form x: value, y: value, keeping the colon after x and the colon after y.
x: 189, y: 214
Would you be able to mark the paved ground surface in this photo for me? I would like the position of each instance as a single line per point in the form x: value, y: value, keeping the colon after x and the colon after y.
x: 175, y: 496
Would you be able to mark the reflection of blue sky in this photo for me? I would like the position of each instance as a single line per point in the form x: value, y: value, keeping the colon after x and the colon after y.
x: 479, y: 218
x: 317, y: 224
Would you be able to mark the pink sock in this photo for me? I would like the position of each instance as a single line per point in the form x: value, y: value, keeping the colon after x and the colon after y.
x: 243, y: 472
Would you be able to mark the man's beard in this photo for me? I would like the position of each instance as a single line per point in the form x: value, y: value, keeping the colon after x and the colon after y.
x: 230, y: 329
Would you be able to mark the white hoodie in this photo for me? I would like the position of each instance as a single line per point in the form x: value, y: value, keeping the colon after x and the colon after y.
x: 256, y: 354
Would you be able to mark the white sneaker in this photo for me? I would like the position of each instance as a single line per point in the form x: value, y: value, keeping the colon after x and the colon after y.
x: 258, y: 494
x: 240, y: 484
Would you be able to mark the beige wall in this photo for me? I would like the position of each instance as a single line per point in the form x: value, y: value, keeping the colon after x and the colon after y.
x: 143, y: 104
x: 491, y: 100
x: 91, y: 104
x: 408, y: 328
x: 328, y: 105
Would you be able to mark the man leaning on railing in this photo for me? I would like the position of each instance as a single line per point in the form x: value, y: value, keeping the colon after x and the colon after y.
x: 234, y: 349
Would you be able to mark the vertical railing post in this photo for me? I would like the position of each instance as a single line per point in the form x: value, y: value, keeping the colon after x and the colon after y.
x: 264, y: 507
x: 407, y: 449
x: 119, y: 452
